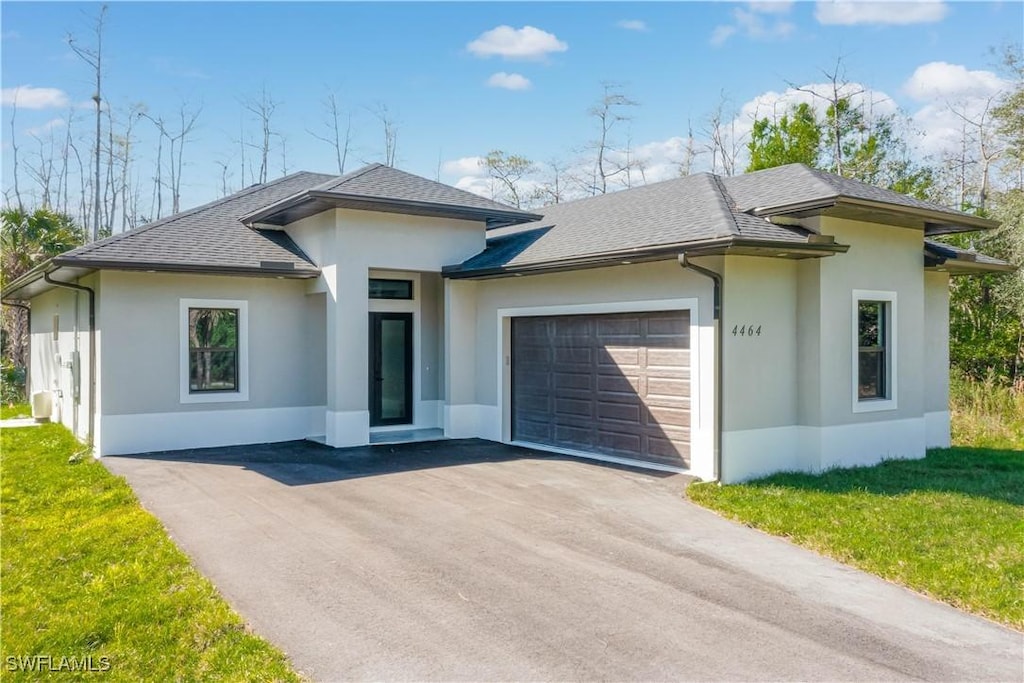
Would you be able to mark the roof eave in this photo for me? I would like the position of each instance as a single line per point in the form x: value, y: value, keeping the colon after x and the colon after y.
x: 196, y: 269
x: 27, y: 278
x: 492, y: 217
x: 936, y: 222
x: 716, y: 247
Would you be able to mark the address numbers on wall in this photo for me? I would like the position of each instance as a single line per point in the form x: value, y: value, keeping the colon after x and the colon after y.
x: 746, y: 330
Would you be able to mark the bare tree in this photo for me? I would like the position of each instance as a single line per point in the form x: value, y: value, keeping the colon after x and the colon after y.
x: 177, y: 138
x: 722, y: 142
x: 551, y: 190
x: 337, y: 135
x: 840, y: 114
x: 94, y: 58
x: 689, y: 152
x: 262, y: 109
x: 608, y: 111
x: 14, y: 151
x: 989, y: 147
x: 390, y: 129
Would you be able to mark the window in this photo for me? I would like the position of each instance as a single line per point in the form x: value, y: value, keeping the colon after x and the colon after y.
x: 874, y: 366
x: 214, y: 350
x: 872, y: 331
x: 390, y: 289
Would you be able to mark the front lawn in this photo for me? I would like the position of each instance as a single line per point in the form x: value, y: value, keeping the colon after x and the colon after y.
x: 950, y: 525
x: 13, y: 410
x: 88, y: 573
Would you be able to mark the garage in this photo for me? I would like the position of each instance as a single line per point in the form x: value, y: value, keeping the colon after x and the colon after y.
x: 611, y: 384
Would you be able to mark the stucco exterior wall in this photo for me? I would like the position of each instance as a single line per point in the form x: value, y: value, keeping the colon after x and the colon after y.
x: 936, y: 359
x: 478, y: 319
x: 831, y: 428
x: 141, y: 404
x: 61, y: 366
x: 348, y: 245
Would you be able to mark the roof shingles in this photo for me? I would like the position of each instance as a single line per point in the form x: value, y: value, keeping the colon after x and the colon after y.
x: 209, y: 236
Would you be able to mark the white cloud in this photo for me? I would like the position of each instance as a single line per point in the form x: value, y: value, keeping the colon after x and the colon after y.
x: 633, y: 25
x: 753, y: 22
x: 509, y: 81
x: 952, y: 81
x: 464, y: 166
x: 879, y: 12
x: 527, y: 42
x: 29, y: 97
x: 52, y: 124
x: 771, y: 6
x: 722, y: 33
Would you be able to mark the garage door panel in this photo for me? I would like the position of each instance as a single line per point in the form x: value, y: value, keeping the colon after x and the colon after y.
x: 669, y: 417
x: 618, y: 356
x: 621, y: 412
x: 614, y: 384
x: 574, y: 407
x: 574, y: 354
x: 667, y: 386
x: 668, y: 358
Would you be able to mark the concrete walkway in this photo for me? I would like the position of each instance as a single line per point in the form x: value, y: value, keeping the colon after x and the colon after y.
x: 19, y: 422
x: 466, y: 560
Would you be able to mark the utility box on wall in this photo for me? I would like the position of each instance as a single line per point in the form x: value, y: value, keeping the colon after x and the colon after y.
x: 42, y: 406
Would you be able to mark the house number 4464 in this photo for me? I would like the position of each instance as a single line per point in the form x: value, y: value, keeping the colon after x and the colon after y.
x: 746, y: 331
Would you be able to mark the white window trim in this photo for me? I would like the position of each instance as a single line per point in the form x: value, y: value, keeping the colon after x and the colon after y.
x: 242, y: 394
x: 875, y: 405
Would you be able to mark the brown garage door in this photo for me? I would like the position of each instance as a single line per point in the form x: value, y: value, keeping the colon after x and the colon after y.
x: 614, y: 384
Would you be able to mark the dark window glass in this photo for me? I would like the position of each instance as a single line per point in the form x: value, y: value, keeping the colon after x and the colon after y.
x: 213, y: 349
x: 872, y: 341
x: 390, y: 289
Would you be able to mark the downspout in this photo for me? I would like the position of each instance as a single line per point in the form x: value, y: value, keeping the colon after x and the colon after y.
x: 28, y: 361
x: 719, y: 365
x: 92, y: 348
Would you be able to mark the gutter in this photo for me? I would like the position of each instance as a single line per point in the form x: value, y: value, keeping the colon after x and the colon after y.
x: 719, y: 365
x: 283, y: 269
x: 28, y: 363
x: 716, y: 247
x: 92, y: 348
x: 941, y: 221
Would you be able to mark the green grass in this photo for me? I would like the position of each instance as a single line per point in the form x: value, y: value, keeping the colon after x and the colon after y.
x: 950, y: 525
x: 986, y: 414
x: 11, y: 410
x: 87, y: 572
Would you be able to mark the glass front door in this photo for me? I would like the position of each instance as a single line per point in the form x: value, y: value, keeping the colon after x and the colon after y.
x: 391, y: 369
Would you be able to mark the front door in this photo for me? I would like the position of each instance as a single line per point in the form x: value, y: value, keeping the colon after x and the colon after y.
x: 390, y: 369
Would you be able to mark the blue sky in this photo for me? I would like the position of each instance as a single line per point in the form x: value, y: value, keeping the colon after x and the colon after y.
x: 430, y: 64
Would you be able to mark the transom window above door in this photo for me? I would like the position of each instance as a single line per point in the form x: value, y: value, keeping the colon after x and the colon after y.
x: 381, y: 288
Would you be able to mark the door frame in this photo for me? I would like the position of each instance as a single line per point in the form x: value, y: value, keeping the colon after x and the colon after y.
x: 375, y: 320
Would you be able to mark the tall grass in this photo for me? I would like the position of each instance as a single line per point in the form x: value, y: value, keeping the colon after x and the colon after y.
x: 986, y: 413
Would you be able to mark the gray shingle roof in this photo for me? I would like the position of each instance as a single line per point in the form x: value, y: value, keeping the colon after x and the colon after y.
x: 796, y: 183
x: 685, y: 210
x: 382, y: 188
x: 378, y: 181
x: 940, y: 253
x: 208, y: 236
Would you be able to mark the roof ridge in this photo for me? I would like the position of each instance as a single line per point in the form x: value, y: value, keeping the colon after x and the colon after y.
x: 725, y: 201
x: 678, y: 179
x: 343, y: 178
x: 87, y: 248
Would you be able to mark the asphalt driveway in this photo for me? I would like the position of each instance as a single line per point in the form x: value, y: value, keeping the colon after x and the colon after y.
x: 466, y: 560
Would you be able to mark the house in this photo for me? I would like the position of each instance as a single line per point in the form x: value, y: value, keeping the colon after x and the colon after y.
x: 725, y: 327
